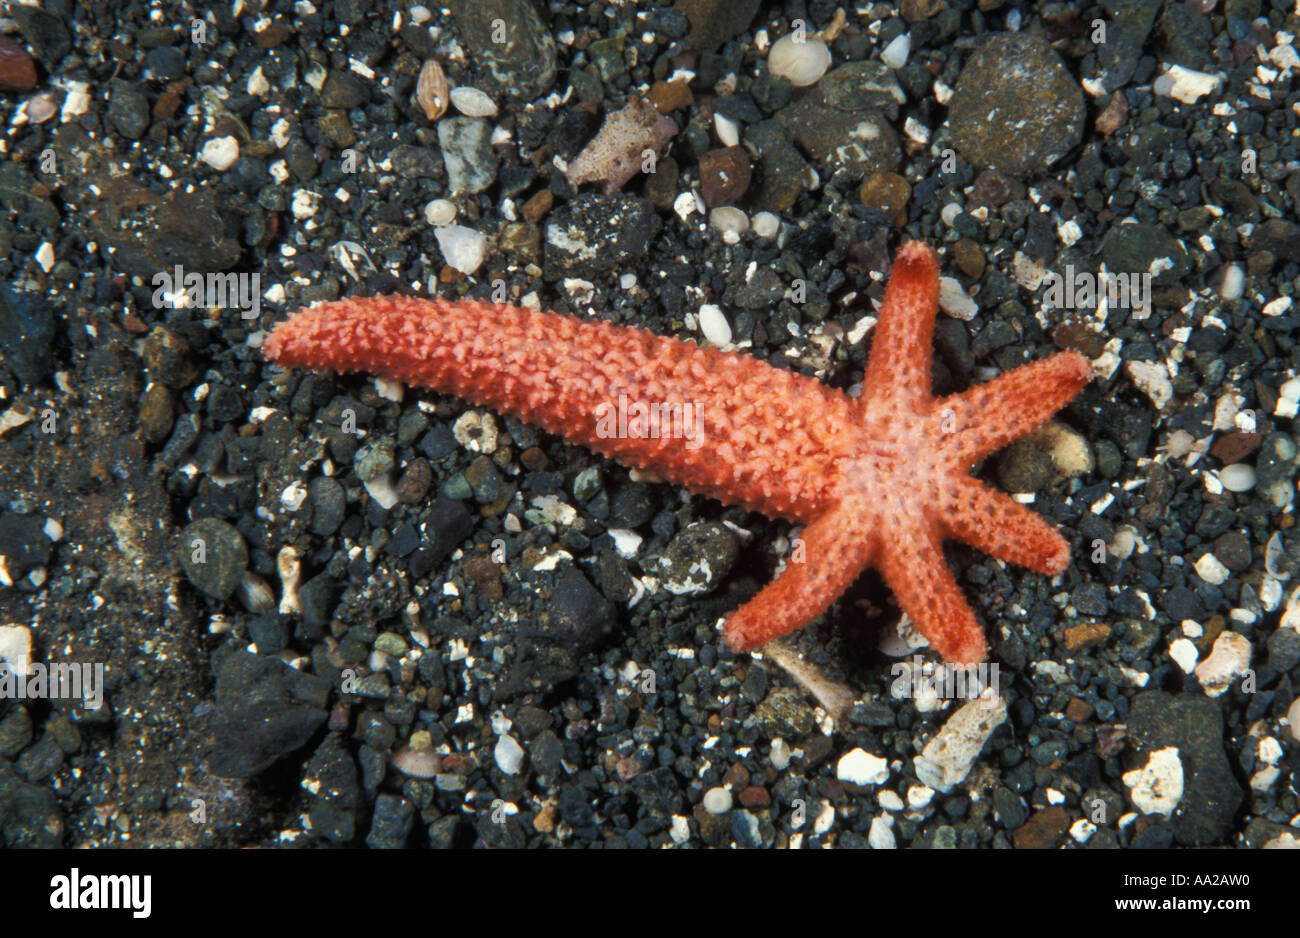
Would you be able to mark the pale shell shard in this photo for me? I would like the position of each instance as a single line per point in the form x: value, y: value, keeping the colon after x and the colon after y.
x: 628, y: 141
x: 473, y: 103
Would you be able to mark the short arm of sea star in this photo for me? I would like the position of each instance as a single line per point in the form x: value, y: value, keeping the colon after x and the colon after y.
x: 989, y: 520
x: 899, y: 365
x: 915, y: 570
x: 835, y: 548
x: 989, y: 416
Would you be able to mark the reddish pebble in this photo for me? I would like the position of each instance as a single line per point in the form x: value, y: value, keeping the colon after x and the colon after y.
x: 17, y: 70
x: 1235, y: 446
x: 340, y: 718
x: 755, y: 796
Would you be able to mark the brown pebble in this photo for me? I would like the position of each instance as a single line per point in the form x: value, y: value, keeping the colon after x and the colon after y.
x: 484, y: 573
x: 1078, y: 710
x: 272, y: 36
x: 889, y: 193
x: 969, y: 257
x: 340, y: 719
x: 1259, y: 263
x: 1085, y: 635
x: 544, y: 822
x: 671, y: 96
x: 724, y: 176
x: 916, y: 11
x: 1113, y: 118
x: 1041, y: 831
x: 993, y: 189
x: 533, y: 458
x: 736, y: 777
x: 17, y: 70
x: 458, y: 763
x: 535, y: 208
x: 1079, y: 338
x: 168, y: 103
x: 414, y: 484
x: 1235, y: 446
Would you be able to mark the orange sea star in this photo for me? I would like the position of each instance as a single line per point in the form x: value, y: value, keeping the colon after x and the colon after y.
x: 879, y: 481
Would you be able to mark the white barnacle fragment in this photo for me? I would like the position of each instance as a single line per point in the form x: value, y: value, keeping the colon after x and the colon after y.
x: 1157, y: 787
x: 947, y: 759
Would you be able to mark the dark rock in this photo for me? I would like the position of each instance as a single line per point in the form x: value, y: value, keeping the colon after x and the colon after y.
x: 1016, y: 80
x: 698, y: 559
x: 23, y: 544
x: 343, y: 89
x: 714, y: 22
x: 390, y: 827
x: 595, y: 233
x: 449, y: 523
x: 213, y: 556
x: 45, y: 33
x: 328, y: 505
x: 29, y: 814
x: 1134, y: 248
x: 854, y: 143
x: 257, y: 720
x: 1129, y: 23
x: 26, y: 334
x: 523, y: 65
x: 128, y: 109
x: 1194, y: 725
x: 575, y: 620
x: 332, y: 774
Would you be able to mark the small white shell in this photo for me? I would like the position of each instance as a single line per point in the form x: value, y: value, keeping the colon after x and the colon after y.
x: 727, y: 218
x: 767, y: 225
x: 440, y: 212
x: 801, y: 60
x: 473, y: 103
x: 714, y: 325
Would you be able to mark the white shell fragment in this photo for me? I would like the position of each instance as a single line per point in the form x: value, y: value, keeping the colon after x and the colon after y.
x: 955, y: 301
x: 946, y: 760
x: 473, y: 103
x: 1185, y: 84
x: 462, y: 248
x: 714, y: 325
x: 220, y: 153
x: 1229, y: 659
x: 895, y: 54
x: 1157, y: 787
x: 1152, y: 379
x: 862, y: 768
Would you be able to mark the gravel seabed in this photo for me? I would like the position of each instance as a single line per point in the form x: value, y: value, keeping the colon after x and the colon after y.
x: 496, y: 659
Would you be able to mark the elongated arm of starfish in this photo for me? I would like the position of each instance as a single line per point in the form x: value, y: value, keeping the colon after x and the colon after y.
x: 899, y: 365
x: 836, y: 547
x: 725, y: 425
x: 989, y: 416
x: 981, y: 517
x: 913, y: 565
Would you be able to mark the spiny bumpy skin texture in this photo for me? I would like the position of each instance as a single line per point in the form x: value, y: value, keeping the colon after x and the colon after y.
x: 879, y: 481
